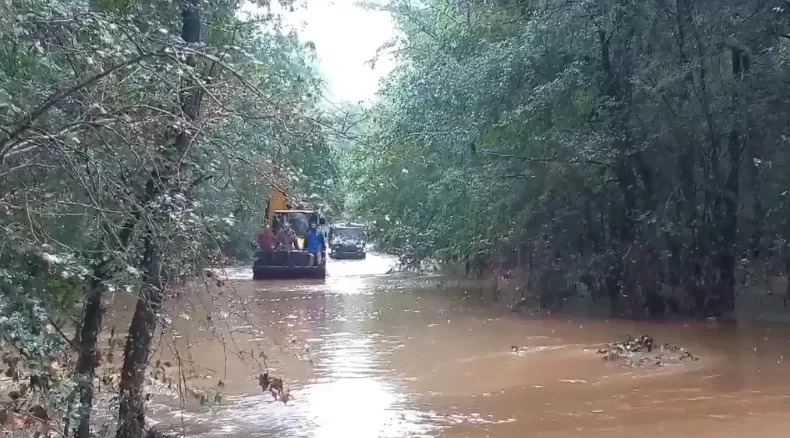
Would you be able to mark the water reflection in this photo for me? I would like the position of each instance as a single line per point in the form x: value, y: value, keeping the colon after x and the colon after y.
x: 350, y: 397
x: 372, y: 355
x: 351, y: 391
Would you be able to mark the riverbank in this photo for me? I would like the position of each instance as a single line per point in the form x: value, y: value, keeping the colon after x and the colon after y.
x: 760, y: 300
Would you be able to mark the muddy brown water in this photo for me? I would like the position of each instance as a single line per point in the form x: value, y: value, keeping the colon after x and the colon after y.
x: 365, y: 354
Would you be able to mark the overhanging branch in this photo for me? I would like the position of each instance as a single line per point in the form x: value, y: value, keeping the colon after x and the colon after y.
x: 526, y: 159
x: 9, y: 142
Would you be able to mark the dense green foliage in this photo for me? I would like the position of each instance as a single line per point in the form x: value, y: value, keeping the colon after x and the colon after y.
x: 136, y: 139
x: 637, y: 148
x: 633, y: 149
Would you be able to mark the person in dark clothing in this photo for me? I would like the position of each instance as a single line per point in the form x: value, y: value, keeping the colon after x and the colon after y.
x: 286, y: 237
x: 314, y: 243
x: 266, y: 239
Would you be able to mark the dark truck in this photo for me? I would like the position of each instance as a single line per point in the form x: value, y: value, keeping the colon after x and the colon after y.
x: 347, y: 241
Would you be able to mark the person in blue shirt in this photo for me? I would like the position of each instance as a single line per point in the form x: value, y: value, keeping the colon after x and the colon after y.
x: 314, y: 243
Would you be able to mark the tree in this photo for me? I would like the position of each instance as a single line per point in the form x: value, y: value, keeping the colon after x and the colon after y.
x: 130, y: 153
x: 622, y: 146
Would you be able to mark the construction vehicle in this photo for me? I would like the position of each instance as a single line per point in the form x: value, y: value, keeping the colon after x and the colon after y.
x: 347, y: 241
x: 289, y: 263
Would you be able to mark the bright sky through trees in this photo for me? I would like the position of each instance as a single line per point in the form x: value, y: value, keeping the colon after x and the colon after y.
x: 346, y: 37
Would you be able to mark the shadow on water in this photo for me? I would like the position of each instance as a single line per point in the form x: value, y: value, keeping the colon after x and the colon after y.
x: 366, y: 354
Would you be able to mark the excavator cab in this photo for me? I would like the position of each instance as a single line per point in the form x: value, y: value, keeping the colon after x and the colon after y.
x: 289, y: 262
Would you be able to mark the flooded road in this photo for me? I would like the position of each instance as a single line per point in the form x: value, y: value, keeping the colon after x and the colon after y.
x: 365, y: 354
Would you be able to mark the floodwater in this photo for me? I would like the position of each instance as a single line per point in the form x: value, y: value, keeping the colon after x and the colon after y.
x: 365, y: 354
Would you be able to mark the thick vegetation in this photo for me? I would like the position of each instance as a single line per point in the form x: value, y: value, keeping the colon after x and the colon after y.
x: 137, y: 138
x: 635, y: 149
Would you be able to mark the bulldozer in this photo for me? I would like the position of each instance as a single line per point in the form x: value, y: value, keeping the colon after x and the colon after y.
x: 289, y: 263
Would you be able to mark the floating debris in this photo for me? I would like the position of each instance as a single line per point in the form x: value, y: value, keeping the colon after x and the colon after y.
x: 275, y: 387
x: 642, y: 350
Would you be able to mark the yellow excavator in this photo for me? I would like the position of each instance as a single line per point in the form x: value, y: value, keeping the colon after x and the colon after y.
x: 292, y: 262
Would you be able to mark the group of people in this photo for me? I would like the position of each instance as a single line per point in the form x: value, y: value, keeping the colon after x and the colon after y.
x: 285, y: 240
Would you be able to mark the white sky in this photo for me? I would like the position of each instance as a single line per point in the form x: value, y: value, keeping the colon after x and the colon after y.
x: 345, y: 36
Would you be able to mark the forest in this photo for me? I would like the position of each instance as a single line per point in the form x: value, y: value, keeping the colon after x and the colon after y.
x: 137, y: 138
x: 634, y: 150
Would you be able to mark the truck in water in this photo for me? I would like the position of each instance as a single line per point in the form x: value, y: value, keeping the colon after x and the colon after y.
x: 347, y: 241
x: 293, y: 260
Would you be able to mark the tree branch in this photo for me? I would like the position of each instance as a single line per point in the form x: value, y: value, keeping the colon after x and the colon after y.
x: 26, y: 122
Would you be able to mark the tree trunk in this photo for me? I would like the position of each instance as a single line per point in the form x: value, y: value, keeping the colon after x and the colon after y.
x: 88, y: 335
x: 86, y: 363
x: 624, y: 212
x: 725, y: 295
x: 787, y: 276
x: 131, y: 412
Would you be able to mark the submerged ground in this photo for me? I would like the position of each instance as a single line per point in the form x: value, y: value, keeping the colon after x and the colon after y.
x: 365, y: 354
